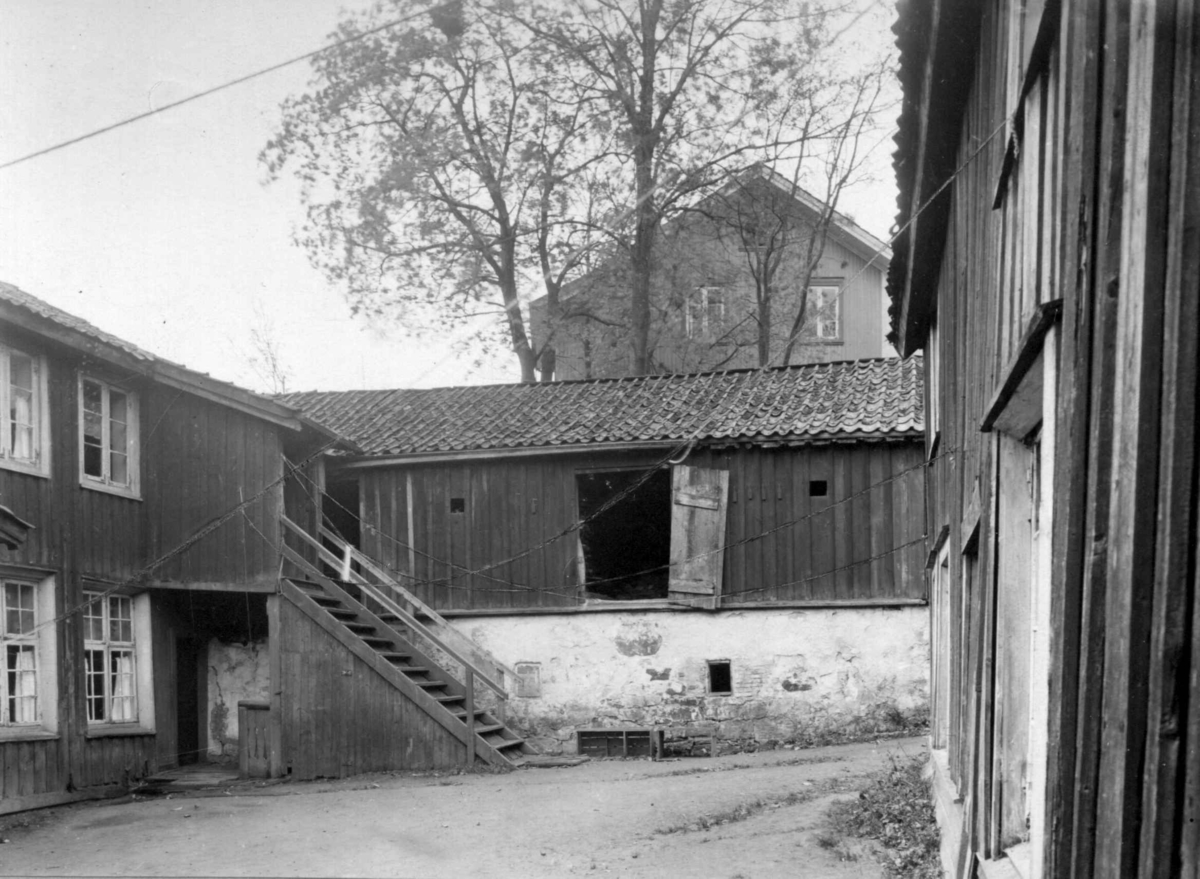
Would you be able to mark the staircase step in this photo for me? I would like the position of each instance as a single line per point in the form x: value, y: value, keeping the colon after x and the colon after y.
x: 507, y: 743
x: 395, y: 658
x: 430, y: 684
x: 450, y: 699
x: 484, y: 730
x: 414, y: 669
x: 461, y: 713
x: 361, y: 628
x: 376, y: 642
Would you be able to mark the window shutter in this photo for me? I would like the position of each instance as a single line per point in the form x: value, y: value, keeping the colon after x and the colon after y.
x: 699, y: 499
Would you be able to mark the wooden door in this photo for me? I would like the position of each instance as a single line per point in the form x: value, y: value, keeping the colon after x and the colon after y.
x: 699, y: 500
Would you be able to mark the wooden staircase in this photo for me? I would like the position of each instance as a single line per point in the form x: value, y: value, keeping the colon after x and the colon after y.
x: 379, y: 623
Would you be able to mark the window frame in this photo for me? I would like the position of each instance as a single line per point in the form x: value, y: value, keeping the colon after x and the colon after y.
x: 104, y: 482
x: 810, y: 334
x: 39, y: 463
x: 137, y: 647
x: 704, y: 297
x: 44, y: 639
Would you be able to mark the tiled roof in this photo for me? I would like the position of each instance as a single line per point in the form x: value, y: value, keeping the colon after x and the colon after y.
x: 792, y: 404
x: 150, y: 364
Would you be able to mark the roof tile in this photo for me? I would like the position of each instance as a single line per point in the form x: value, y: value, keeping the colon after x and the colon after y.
x: 798, y: 403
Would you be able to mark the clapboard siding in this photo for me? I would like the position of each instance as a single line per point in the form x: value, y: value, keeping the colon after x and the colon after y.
x: 513, y: 546
x: 340, y: 717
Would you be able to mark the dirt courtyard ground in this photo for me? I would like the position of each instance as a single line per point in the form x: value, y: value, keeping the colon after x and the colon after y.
x: 744, y: 815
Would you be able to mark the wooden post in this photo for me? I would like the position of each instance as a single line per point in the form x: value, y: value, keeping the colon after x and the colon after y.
x: 470, y: 704
x: 275, y: 664
x: 346, y: 563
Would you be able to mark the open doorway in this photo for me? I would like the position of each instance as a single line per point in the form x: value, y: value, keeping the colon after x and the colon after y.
x: 626, y: 548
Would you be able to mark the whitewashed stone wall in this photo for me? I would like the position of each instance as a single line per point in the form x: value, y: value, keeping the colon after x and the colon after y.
x: 236, y: 672
x: 798, y: 675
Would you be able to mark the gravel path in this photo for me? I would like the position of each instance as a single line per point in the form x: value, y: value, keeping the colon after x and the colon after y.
x: 746, y: 815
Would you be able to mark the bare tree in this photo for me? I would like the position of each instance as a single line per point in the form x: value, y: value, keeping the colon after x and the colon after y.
x: 697, y: 89
x: 434, y: 158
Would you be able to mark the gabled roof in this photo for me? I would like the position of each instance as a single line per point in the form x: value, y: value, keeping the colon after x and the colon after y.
x: 41, y: 318
x: 848, y: 232
x: 798, y: 404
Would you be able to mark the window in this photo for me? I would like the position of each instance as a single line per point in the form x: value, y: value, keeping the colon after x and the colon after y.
x: 108, y: 430
x: 23, y: 443
x: 28, y: 697
x: 720, y: 677
x: 822, y: 320
x: 110, y: 659
x: 705, y: 313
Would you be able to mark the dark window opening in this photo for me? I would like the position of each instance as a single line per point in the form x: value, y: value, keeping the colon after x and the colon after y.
x: 626, y: 548
x: 340, y: 508
x: 818, y: 488
x: 458, y: 505
x: 720, y: 676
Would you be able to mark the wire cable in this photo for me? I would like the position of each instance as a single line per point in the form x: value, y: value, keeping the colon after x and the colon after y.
x: 223, y: 86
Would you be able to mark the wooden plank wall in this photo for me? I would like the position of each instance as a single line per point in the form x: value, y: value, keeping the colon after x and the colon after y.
x: 784, y: 545
x: 201, y: 461
x: 339, y: 717
x: 1102, y: 212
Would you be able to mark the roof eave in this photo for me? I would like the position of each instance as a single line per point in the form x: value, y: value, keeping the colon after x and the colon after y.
x: 947, y: 73
x: 151, y: 367
x: 434, y: 456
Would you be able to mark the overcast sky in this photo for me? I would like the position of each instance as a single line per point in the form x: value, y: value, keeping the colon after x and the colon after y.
x: 163, y: 232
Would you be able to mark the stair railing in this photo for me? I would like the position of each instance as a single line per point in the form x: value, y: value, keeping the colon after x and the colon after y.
x: 422, y: 619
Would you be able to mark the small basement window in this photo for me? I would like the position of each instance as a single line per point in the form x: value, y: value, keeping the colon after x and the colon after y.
x: 818, y: 488
x: 626, y: 548
x: 720, y: 677
x: 458, y: 505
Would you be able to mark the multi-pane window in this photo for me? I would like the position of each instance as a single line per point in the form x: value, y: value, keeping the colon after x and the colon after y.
x: 822, y: 319
x: 21, y: 404
x: 18, y: 635
x: 108, y: 435
x: 705, y: 313
x: 108, y: 657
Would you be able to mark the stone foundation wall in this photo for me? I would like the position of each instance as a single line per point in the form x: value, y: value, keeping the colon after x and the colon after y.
x: 236, y: 672
x: 798, y: 676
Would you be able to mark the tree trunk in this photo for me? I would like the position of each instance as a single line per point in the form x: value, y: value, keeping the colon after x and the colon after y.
x: 516, y: 328
x: 645, y: 138
x: 764, y: 324
x: 797, y: 324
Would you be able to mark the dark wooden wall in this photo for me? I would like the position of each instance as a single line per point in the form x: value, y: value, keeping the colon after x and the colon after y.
x: 1101, y: 212
x: 516, y: 504
x: 339, y: 717
x: 203, y: 459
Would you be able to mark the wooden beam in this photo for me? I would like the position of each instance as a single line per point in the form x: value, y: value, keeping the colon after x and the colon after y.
x: 1029, y: 349
x: 267, y: 583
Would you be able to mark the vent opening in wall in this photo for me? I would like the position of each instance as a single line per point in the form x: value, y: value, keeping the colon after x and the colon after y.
x: 818, y: 488
x: 720, y: 678
x: 458, y: 505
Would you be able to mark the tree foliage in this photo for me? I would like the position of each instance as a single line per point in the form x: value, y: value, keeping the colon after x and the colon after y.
x: 475, y: 155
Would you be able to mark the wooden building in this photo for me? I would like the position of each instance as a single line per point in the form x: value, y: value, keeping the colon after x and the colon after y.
x: 144, y: 623
x: 734, y: 262
x: 1049, y: 169
x: 615, y: 541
